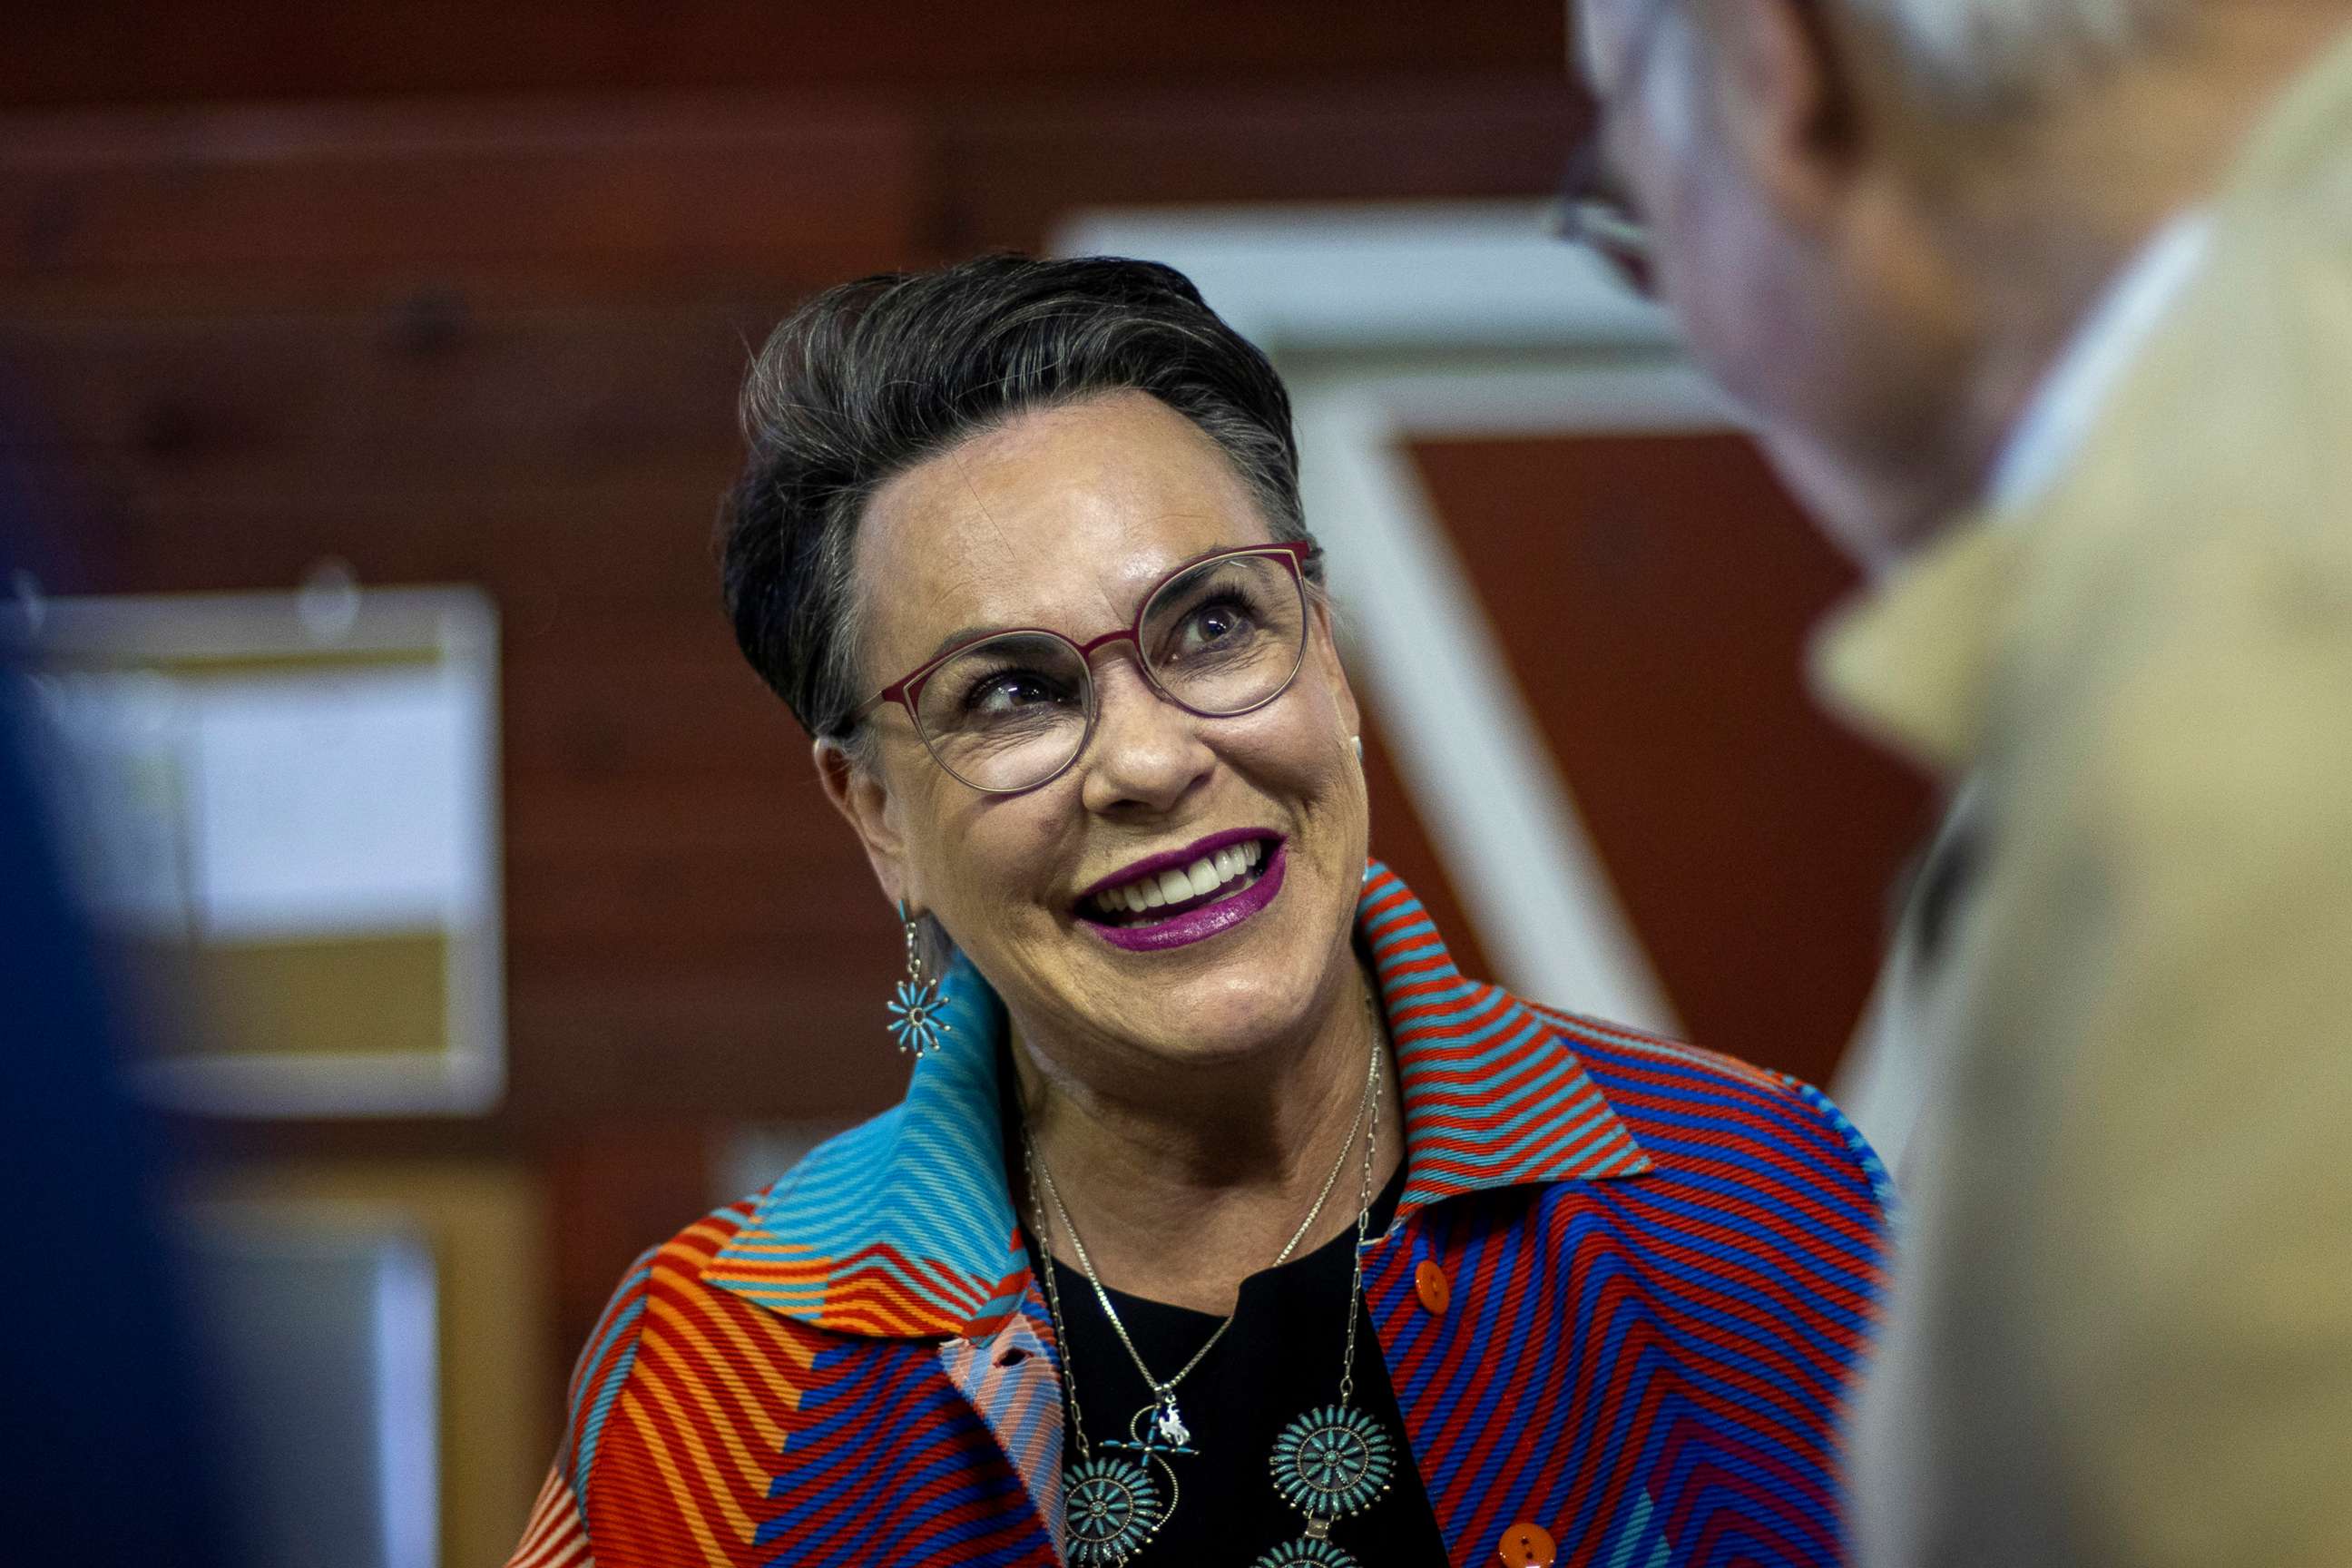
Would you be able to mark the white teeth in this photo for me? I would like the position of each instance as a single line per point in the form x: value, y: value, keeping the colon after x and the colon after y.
x: 1197, y: 880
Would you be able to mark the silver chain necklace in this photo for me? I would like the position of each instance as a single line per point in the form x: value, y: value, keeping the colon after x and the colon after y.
x: 1328, y: 1463
x: 1168, y: 1421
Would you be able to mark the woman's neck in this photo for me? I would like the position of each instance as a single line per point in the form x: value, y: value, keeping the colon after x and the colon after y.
x: 1180, y: 1196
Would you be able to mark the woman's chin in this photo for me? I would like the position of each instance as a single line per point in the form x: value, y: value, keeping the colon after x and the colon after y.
x: 1228, y: 1018
x: 1250, y: 985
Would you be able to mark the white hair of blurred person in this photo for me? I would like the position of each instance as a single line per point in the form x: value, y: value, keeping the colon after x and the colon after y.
x: 1879, y: 222
x: 1978, y: 58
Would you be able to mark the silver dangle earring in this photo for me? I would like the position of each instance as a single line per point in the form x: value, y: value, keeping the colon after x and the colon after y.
x: 916, y: 1017
x: 1358, y: 742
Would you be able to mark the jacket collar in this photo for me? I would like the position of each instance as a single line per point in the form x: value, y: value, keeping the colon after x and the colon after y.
x: 1911, y: 664
x: 903, y: 1228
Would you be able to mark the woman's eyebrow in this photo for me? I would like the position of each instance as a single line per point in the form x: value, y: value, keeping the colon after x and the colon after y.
x: 962, y: 634
x: 959, y: 636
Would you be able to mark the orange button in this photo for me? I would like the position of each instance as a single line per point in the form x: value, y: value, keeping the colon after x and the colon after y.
x: 1527, y: 1546
x: 1429, y: 1283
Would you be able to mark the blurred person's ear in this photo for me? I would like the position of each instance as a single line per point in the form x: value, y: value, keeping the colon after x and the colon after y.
x: 1782, y: 111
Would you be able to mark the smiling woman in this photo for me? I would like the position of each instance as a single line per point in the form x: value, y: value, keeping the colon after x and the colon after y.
x: 1223, y: 1220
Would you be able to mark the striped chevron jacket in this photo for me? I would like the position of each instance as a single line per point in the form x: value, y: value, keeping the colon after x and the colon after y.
x: 1655, y: 1270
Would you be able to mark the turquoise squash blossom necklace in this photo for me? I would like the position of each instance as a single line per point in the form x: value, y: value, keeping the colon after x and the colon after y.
x: 1329, y: 1462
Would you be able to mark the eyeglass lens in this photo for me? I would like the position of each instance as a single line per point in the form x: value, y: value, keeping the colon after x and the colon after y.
x: 1009, y: 713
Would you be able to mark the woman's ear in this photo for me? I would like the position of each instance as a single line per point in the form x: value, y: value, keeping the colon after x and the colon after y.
x: 858, y: 793
x: 1327, y: 653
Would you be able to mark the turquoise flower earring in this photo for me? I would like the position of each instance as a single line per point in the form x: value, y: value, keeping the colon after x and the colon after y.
x: 917, y: 1019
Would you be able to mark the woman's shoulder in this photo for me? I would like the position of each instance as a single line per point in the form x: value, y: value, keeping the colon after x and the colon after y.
x: 746, y: 1248
x: 661, y: 1296
x: 694, y: 1314
x: 1618, y: 1049
x: 699, y: 1254
x: 1685, y: 1104
x: 671, y: 1280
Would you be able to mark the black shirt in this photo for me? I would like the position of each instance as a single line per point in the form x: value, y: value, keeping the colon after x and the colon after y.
x: 1280, y: 1360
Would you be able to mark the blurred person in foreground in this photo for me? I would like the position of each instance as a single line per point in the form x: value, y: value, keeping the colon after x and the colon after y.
x: 105, y: 1461
x: 2046, y: 307
x: 1223, y: 1220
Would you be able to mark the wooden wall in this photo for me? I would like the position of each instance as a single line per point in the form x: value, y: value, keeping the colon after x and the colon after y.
x: 463, y: 293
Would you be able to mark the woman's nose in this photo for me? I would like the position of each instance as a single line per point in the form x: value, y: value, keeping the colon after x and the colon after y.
x: 1146, y: 751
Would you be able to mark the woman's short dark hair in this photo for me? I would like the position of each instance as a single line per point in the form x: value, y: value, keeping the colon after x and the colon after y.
x: 871, y: 378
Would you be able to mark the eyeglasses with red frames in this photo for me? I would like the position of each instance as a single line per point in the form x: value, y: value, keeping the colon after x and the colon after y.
x: 1009, y: 710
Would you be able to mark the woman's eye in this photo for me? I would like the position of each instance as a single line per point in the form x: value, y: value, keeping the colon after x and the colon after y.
x: 1214, y: 623
x: 1011, y: 692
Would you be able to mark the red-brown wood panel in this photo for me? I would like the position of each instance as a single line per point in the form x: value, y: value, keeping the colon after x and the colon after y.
x: 612, y: 189
x: 802, y: 191
x: 1012, y: 168
x: 404, y: 398
x: 1654, y: 596
x: 118, y: 50
x: 564, y: 552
